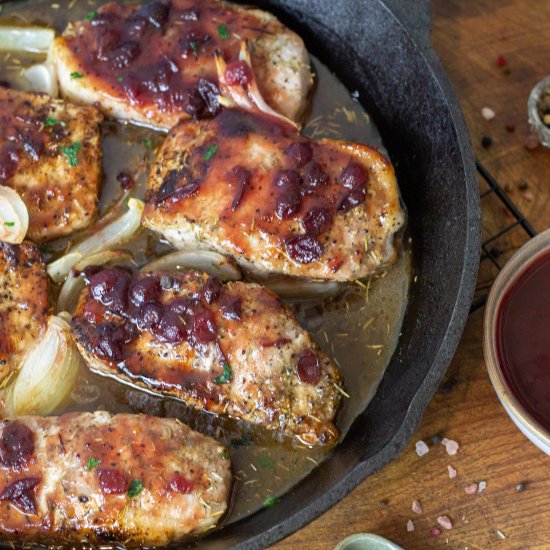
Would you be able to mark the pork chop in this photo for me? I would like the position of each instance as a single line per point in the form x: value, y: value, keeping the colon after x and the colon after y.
x: 249, y: 185
x: 50, y: 153
x: 154, y: 64
x: 88, y: 477
x: 23, y: 302
x: 230, y: 348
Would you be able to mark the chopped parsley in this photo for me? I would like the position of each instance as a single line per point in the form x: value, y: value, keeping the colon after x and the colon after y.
x: 194, y: 46
x: 270, y: 501
x: 136, y: 486
x: 225, y: 454
x: 241, y: 442
x: 76, y: 75
x: 50, y: 121
x: 91, y: 15
x: 120, y: 79
x: 9, y: 224
x: 93, y: 463
x: 148, y: 143
x: 225, y: 376
x: 210, y: 152
x: 71, y: 152
x: 223, y: 31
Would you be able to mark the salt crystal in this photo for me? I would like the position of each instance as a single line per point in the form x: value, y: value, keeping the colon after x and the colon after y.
x: 487, y: 113
x: 471, y: 489
x: 410, y: 526
x: 452, y: 471
x: 451, y: 446
x: 445, y: 522
x: 421, y: 448
x: 417, y: 507
x: 482, y: 486
x: 435, y: 532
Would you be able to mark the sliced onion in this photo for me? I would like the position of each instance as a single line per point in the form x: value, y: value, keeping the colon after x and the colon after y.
x: 40, y: 78
x: 47, y: 374
x: 291, y: 289
x: 73, y: 285
x: 201, y: 260
x: 118, y: 231
x: 14, y: 216
x: 247, y: 96
x: 26, y: 39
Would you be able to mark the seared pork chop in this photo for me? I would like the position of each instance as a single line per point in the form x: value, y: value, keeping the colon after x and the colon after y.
x: 23, y: 302
x: 50, y: 153
x: 249, y: 185
x: 230, y: 348
x: 87, y: 477
x: 155, y: 64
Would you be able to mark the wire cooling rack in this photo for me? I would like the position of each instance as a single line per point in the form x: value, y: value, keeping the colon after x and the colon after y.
x: 505, y: 228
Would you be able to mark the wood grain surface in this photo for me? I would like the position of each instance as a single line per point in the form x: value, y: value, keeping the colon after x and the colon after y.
x: 469, y: 36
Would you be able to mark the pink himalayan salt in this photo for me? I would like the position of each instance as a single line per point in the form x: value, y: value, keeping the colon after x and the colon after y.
x: 452, y: 471
x: 417, y: 507
x: 445, y: 522
x: 471, y: 489
x: 421, y: 448
x: 410, y: 526
x: 451, y: 446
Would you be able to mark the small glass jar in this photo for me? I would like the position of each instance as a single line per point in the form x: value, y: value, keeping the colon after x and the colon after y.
x: 535, y: 121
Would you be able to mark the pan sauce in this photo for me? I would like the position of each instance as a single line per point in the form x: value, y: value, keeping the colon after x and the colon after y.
x: 359, y: 328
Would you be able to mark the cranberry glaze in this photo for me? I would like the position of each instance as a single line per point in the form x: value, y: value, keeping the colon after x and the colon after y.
x: 523, y: 345
x: 161, y: 54
x: 296, y: 199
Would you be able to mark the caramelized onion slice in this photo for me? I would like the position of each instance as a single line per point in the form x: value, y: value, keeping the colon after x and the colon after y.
x: 14, y: 216
x: 200, y: 260
x: 47, y: 373
x: 40, y: 78
x: 293, y: 289
x: 247, y: 96
x: 108, y: 237
x: 73, y: 285
x: 26, y: 39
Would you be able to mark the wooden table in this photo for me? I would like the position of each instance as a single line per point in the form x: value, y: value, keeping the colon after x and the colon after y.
x: 469, y: 36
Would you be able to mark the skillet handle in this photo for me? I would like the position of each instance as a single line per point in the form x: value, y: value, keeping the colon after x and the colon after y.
x: 415, y: 16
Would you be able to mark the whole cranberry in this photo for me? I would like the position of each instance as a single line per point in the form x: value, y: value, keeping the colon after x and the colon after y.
x: 300, y: 153
x: 304, y: 249
x: 309, y: 367
x: 145, y: 290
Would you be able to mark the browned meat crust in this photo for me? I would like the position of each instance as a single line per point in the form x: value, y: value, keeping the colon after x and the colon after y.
x: 92, y: 477
x: 154, y: 63
x: 50, y: 153
x: 23, y: 302
x: 249, y: 186
x: 232, y: 349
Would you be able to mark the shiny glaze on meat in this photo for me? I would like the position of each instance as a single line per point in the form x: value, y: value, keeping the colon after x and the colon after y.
x: 23, y: 302
x: 155, y: 64
x: 247, y: 185
x: 34, y: 131
x: 231, y: 349
x: 76, y: 478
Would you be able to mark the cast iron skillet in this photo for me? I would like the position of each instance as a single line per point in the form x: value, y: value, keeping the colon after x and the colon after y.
x: 381, y: 48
